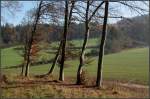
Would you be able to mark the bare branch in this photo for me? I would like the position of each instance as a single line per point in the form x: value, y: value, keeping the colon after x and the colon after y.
x: 134, y: 7
x: 96, y: 10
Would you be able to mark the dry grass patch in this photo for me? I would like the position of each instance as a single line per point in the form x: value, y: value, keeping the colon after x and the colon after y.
x: 37, y: 87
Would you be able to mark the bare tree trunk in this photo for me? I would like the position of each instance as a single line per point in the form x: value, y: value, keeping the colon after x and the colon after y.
x: 61, y: 73
x: 80, y: 68
x: 60, y: 45
x: 31, y: 39
x: 55, y: 59
x: 25, y: 53
x: 23, y: 65
x: 79, y: 72
x: 27, y: 69
x: 101, y: 48
x: 22, y: 69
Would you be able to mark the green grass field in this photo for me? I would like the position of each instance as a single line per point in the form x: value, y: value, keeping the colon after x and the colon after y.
x: 129, y: 65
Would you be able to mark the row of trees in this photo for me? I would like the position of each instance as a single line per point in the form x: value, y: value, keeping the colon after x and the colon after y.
x: 68, y: 10
x: 74, y: 11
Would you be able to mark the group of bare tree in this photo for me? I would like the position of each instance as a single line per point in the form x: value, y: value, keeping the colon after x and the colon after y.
x: 73, y: 11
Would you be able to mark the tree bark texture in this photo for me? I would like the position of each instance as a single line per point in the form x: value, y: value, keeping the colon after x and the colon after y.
x: 61, y: 73
x: 101, y: 47
x: 80, y: 67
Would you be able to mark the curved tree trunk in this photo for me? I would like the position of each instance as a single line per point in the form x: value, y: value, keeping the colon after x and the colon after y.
x: 101, y: 48
x: 80, y: 68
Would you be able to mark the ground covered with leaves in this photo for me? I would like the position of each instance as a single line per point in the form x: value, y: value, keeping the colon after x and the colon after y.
x: 48, y: 87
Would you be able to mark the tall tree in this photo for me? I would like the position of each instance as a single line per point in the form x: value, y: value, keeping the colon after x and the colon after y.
x: 61, y: 73
x: 132, y: 6
x: 30, y: 42
x: 60, y: 45
x: 79, y: 72
x: 86, y: 36
x: 101, y: 47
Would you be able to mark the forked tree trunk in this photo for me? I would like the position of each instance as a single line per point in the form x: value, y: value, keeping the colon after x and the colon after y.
x: 61, y: 73
x: 101, y: 48
x: 80, y: 68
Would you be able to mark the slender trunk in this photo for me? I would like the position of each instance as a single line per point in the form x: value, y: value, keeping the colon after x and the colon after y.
x: 80, y: 68
x: 55, y: 59
x: 101, y: 48
x: 22, y: 69
x: 79, y: 72
x: 27, y: 69
x: 25, y: 53
x: 60, y: 45
x: 61, y: 73
x: 31, y: 39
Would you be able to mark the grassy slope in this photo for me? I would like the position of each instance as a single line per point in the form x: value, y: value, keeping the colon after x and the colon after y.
x: 129, y: 65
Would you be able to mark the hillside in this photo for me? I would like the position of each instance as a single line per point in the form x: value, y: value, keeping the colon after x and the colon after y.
x: 136, y: 28
x: 129, y: 65
x: 123, y: 72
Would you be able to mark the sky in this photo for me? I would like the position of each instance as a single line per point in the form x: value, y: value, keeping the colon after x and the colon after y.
x: 18, y: 15
x: 27, y: 5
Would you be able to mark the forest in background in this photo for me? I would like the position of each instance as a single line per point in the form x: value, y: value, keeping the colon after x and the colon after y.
x: 126, y: 33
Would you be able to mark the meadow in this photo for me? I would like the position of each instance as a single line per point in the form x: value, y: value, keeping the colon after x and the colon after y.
x: 131, y: 65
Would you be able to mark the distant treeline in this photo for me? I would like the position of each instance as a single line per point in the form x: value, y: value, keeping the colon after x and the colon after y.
x: 126, y: 33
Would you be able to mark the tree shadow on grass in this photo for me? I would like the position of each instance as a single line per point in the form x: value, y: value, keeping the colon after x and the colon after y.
x: 25, y: 83
x: 31, y: 81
